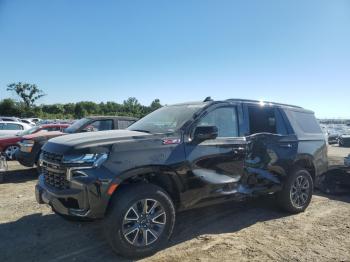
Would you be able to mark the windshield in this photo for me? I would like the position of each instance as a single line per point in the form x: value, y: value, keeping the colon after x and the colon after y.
x: 166, y: 119
x: 77, y: 125
x: 29, y: 131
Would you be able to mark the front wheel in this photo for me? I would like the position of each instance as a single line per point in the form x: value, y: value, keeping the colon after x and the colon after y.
x: 140, y: 221
x: 297, y: 191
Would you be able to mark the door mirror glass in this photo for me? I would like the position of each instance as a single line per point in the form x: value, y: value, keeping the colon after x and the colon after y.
x: 202, y: 133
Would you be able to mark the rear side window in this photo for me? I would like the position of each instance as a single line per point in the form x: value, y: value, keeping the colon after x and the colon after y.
x: 123, y: 124
x: 306, y: 122
x: 9, y: 126
x: 266, y: 119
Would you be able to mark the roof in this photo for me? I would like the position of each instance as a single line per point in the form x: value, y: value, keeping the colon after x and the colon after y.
x: 262, y: 102
x: 245, y: 101
x: 54, y: 125
x: 114, y: 117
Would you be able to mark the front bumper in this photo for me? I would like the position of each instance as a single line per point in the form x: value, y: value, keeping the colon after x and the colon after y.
x: 85, y: 197
x: 26, y: 159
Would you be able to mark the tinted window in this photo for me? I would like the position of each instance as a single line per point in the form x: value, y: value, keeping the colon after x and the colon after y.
x: 262, y: 119
x: 225, y: 119
x: 123, y: 124
x: 100, y: 125
x: 306, y: 122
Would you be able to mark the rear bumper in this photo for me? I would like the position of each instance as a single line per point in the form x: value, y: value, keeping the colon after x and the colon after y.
x: 86, y: 196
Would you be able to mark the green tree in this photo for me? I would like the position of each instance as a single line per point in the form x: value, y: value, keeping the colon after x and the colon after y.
x: 155, y: 104
x: 132, y: 106
x: 8, y: 107
x: 69, y: 109
x: 79, y: 111
x: 29, y: 93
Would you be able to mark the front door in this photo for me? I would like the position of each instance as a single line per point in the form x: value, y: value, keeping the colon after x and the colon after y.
x: 215, y: 164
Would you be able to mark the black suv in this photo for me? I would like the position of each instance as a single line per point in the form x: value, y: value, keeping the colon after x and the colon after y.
x: 30, y: 149
x: 179, y: 157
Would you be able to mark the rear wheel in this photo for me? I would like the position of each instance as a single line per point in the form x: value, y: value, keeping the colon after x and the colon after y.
x: 10, y: 152
x: 297, y: 191
x: 140, y: 221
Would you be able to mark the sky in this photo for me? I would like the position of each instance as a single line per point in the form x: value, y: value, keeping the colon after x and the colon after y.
x: 295, y: 52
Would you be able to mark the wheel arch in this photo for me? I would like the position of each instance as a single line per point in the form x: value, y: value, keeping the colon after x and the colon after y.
x: 307, y: 162
x: 162, y: 176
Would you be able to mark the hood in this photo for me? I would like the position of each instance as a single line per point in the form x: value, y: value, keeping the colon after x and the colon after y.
x: 43, y: 134
x: 100, y: 138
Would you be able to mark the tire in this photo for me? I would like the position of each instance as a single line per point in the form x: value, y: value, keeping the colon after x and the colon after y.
x: 10, y: 152
x: 297, y: 191
x: 132, y: 235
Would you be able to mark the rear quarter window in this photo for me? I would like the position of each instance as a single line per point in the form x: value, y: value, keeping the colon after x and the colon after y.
x: 306, y: 122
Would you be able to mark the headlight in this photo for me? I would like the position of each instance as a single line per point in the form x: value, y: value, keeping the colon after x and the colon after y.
x: 93, y: 159
x: 26, y: 145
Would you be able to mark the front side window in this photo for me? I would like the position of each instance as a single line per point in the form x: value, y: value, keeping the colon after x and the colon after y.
x: 99, y: 125
x: 225, y: 119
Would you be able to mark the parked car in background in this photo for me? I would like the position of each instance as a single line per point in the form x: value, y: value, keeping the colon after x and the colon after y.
x: 33, y: 120
x: 180, y: 157
x: 8, y: 128
x: 30, y: 148
x: 9, y: 145
x: 344, y: 140
x: 28, y: 122
x: 9, y: 118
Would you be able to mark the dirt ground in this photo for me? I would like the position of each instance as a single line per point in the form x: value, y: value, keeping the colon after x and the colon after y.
x: 246, y: 231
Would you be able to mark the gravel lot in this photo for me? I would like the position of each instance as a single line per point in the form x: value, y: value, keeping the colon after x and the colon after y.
x: 247, y: 231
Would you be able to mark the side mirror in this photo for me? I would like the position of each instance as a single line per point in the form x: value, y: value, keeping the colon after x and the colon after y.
x: 202, y: 133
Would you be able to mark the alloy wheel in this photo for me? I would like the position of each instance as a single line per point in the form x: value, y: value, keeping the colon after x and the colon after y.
x: 300, y: 191
x: 144, y: 222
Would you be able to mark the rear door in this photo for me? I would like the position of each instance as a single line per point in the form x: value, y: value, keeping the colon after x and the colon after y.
x: 272, y: 145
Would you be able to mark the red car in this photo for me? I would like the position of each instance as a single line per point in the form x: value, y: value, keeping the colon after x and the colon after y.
x: 9, y: 145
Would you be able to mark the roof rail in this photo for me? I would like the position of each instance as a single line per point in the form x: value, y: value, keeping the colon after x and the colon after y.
x: 265, y: 102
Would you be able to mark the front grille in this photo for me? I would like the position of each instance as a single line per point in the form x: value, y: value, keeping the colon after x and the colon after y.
x: 56, y: 180
x: 54, y: 175
x: 52, y: 157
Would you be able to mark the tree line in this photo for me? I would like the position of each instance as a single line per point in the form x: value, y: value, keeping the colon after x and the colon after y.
x: 28, y: 94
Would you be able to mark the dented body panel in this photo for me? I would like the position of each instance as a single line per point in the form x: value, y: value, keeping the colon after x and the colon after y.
x: 193, y: 172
